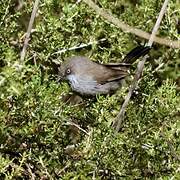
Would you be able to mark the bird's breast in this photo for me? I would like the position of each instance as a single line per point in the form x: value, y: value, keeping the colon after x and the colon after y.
x: 87, y: 85
x: 83, y: 84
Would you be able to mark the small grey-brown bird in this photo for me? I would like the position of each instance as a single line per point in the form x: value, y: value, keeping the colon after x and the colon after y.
x: 91, y: 78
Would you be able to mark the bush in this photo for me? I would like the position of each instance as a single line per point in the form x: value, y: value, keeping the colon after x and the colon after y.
x: 37, y: 135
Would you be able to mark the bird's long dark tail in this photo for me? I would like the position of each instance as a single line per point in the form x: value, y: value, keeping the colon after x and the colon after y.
x: 134, y: 54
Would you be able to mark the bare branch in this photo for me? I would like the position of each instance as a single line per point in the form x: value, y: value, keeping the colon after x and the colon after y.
x: 77, y: 126
x: 120, y: 117
x: 33, y: 14
x: 138, y: 32
x: 79, y: 46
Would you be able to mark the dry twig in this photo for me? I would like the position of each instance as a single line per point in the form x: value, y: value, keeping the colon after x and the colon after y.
x: 120, y: 117
x: 138, y: 32
x: 77, y: 126
x: 33, y: 14
x: 83, y: 45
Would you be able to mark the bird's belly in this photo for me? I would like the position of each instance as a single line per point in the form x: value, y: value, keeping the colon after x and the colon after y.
x: 86, y: 85
x: 83, y: 85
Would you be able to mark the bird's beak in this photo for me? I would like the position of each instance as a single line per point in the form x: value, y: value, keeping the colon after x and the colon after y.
x: 60, y: 76
x: 59, y: 79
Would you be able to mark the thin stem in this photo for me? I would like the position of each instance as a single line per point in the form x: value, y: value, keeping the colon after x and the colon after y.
x: 120, y: 117
x: 126, y: 28
x: 23, y: 52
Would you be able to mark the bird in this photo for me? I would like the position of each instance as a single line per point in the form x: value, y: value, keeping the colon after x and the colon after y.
x: 91, y: 78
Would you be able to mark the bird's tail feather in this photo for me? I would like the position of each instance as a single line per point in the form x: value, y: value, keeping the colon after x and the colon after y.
x: 130, y: 58
x: 134, y: 54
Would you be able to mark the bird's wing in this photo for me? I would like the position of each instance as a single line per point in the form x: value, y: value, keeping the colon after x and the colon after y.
x: 117, y: 71
x: 104, y: 74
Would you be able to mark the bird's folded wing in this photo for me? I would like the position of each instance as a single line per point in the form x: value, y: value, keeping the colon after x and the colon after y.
x: 111, y: 75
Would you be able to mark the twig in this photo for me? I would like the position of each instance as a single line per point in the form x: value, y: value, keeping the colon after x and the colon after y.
x: 45, y: 168
x: 159, y: 67
x: 33, y: 14
x: 120, y: 117
x: 138, y: 32
x: 77, y: 126
x: 79, y: 47
x: 30, y: 172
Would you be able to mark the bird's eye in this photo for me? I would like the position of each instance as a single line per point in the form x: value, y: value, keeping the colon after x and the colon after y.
x: 68, y: 71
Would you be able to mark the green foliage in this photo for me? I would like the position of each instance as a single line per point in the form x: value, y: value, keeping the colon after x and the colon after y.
x: 36, y: 137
